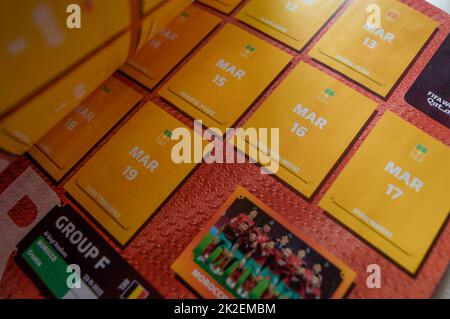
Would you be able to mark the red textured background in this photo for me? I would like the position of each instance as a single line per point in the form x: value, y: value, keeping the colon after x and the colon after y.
x: 181, y: 218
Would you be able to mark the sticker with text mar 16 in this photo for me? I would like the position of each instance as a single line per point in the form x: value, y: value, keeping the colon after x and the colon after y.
x: 83, y: 127
x: 225, y: 77
x: 225, y: 6
x: 164, y: 51
x: 293, y: 22
x: 431, y: 91
x: 318, y: 117
x: 394, y: 191
x: 74, y: 262
x: 132, y: 175
x: 374, y: 50
x: 249, y: 251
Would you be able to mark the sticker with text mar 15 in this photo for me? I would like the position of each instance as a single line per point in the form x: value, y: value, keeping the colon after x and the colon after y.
x: 83, y: 127
x: 225, y: 6
x: 132, y: 175
x: 225, y: 77
x: 164, y: 51
x: 374, y: 55
x: 249, y: 251
x: 318, y: 117
x: 74, y: 262
x: 431, y: 91
x: 394, y: 191
x: 293, y: 22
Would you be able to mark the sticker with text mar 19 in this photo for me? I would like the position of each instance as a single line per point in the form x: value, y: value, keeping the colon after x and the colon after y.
x: 74, y: 262
x: 83, y: 127
x: 132, y: 175
x: 374, y: 52
x: 293, y: 22
x: 318, y: 117
x: 225, y: 6
x: 225, y: 77
x: 164, y: 51
x: 248, y: 251
x: 394, y: 191
x: 431, y: 91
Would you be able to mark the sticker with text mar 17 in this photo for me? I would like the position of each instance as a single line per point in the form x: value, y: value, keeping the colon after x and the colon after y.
x: 373, y: 55
x: 164, y: 51
x: 83, y: 127
x: 394, y: 191
x: 249, y: 251
x: 74, y: 262
x: 431, y: 91
x: 132, y: 175
x: 225, y: 77
x: 318, y: 117
x: 293, y: 22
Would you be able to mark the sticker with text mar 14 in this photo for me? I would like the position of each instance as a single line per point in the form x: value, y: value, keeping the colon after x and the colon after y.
x: 163, y: 52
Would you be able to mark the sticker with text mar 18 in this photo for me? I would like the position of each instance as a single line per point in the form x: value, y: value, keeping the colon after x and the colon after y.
x: 74, y: 262
x: 225, y: 77
x: 374, y: 55
x: 225, y: 6
x: 431, y: 91
x: 164, y: 51
x: 318, y: 117
x: 132, y: 175
x: 293, y: 22
x: 394, y: 191
x: 249, y: 251
x: 83, y: 127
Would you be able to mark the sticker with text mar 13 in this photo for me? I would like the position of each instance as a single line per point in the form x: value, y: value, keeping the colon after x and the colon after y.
x: 431, y: 91
x: 224, y: 78
x: 132, y: 175
x: 318, y: 117
x: 164, y: 51
x: 293, y: 22
x: 249, y: 251
x: 394, y: 191
x: 67, y: 142
x: 225, y: 6
x: 376, y: 57
x: 74, y: 262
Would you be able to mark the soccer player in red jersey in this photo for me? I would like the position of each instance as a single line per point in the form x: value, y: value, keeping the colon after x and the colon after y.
x: 233, y: 224
x: 297, y: 281
x: 264, y: 231
x: 248, y: 218
x: 259, y: 258
x: 247, y: 248
x: 232, y: 238
x: 314, y: 282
